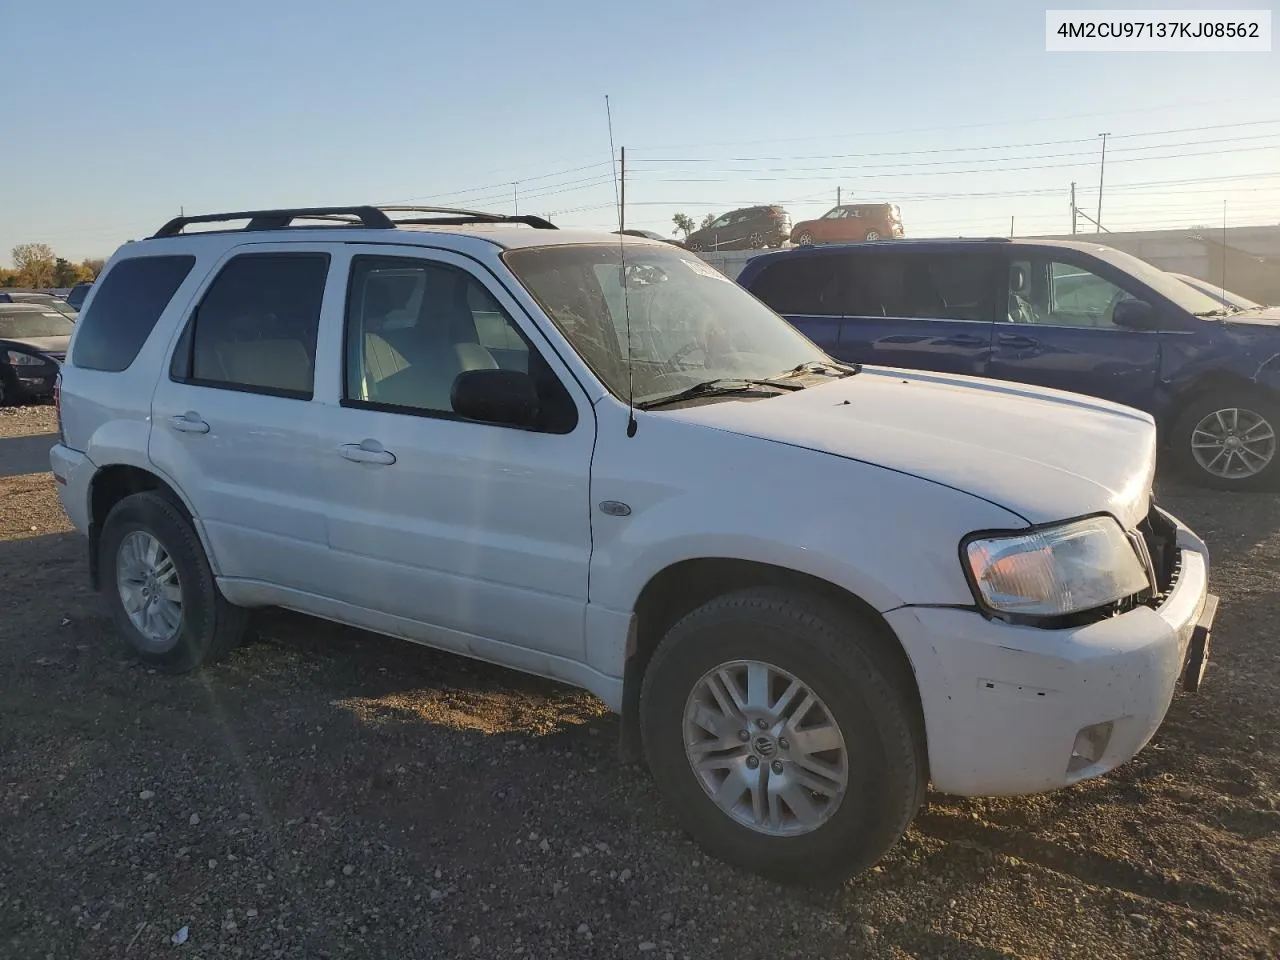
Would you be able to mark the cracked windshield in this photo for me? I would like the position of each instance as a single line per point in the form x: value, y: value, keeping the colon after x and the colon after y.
x: 676, y: 481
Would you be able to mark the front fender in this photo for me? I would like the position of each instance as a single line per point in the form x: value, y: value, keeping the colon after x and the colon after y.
x: 887, y: 537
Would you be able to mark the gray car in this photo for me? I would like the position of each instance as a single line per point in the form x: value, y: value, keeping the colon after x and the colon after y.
x: 33, y: 344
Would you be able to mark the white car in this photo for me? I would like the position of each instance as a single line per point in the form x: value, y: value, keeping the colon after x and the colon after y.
x: 809, y: 589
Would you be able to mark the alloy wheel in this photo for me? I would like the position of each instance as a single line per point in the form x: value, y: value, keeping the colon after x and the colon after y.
x: 765, y: 748
x: 1233, y: 443
x: 149, y: 588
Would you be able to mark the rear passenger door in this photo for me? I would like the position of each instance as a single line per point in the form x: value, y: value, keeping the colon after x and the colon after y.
x: 924, y: 311
x: 234, y: 422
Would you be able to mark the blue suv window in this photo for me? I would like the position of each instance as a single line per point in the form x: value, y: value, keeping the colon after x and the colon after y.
x: 1059, y: 294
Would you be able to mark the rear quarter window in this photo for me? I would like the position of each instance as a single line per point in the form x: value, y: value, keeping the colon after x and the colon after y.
x: 128, y: 303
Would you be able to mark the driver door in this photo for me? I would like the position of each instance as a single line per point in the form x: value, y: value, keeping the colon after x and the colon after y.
x: 1057, y: 332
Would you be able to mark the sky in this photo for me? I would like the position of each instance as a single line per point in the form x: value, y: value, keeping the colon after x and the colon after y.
x: 120, y: 114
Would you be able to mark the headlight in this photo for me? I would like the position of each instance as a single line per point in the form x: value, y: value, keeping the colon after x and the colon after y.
x: 23, y: 359
x: 1056, y: 571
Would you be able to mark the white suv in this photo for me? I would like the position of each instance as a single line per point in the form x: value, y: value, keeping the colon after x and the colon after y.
x: 808, y: 588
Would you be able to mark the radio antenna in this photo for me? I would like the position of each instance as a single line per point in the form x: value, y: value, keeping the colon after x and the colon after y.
x: 622, y: 257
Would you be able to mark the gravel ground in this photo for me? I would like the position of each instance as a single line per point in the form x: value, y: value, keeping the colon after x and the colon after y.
x: 28, y: 421
x: 328, y: 793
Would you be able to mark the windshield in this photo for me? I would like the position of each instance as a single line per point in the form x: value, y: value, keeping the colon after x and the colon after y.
x: 28, y: 324
x: 689, y: 322
x: 1226, y: 298
x: 1165, y: 284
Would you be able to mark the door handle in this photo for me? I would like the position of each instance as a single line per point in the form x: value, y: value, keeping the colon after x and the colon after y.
x: 1017, y: 340
x: 367, y: 451
x: 189, y: 422
x: 965, y: 340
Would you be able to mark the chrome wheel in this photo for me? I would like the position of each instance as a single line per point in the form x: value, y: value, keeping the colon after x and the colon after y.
x: 756, y: 240
x: 149, y: 588
x: 873, y: 234
x: 1233, y: 443
x: 765, y: 748
x: 804, y: 240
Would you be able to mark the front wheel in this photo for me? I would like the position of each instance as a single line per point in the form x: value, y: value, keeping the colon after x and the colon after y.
x: 1227, y: 440
x: 165, y: 602
x: 784, y: 735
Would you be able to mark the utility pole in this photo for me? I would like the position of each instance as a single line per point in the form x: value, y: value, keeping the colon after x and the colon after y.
x: 837, y: 196
x: 515, y: 197
x: 622, y: 191
x: 1102, y: 169
x: 1011, y: 228
x: 1073, y: 208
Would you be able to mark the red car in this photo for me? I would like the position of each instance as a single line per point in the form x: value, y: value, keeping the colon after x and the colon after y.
x: 850, y: 222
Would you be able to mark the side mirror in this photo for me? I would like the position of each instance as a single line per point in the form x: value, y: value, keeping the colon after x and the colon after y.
x: 1135, y: 315
x: 508, y: 397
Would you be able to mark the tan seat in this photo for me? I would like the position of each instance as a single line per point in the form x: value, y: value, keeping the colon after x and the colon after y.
x: 274, y: 364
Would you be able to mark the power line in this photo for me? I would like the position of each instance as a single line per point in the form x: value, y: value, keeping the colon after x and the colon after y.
x: 1042, y: 156
x: 938, y: 150
x: 945, y: 173
x: 975, y: 126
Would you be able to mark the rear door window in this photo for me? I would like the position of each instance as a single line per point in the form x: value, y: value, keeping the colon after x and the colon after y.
x: 926, y: 287
x: 803, y: 286
x: 255, y: 328
x: 125, y: 310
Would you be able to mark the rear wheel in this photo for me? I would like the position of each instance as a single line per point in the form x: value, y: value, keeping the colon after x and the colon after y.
x: 166, y: 605
x: 805, y: 240
x: 873, y: 234
x: 784, y: 734
x: 1228, y: 440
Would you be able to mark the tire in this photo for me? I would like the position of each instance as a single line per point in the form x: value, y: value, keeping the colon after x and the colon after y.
x: 863, y: 691
x: 804, y: 240
x: 208, y: 627
x: 755, y: 241
x: 1249, y: 417
x: 694, y: 245
x: 10, y: 392
x: 873, y: 235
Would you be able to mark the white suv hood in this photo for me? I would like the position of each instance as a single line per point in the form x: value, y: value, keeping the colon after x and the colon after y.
x: 1046, y: 455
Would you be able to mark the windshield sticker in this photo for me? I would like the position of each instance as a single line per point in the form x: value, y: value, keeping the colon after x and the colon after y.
x: 703, y: 269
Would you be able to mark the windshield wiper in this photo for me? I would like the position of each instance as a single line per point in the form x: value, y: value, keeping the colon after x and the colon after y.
x: 825, y: 366
x: 720, y: 385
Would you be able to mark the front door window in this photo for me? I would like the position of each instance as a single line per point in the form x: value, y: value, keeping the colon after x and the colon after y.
x: 1054, y: 293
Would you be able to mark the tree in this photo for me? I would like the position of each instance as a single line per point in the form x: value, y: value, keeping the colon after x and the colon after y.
x: 90, y: 267
x: 684, y: 224
x: 35, y: 263
x: 65, y: 273
x: 707, y: 221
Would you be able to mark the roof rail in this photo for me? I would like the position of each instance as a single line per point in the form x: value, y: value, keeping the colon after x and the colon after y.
x: 278, y: 219
x: 457, y: 216
x: 365, y: 216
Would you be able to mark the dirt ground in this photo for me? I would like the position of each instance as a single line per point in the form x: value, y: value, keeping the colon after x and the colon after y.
x: 328, y: 793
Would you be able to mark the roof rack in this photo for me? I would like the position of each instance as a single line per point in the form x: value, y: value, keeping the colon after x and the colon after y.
x: 364, y: 216
x: 456, y: 216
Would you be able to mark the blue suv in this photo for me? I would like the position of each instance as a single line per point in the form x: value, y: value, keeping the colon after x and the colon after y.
x: 1076, y: 316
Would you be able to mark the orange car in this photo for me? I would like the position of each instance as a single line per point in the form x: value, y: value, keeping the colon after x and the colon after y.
x: 849, y: 222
